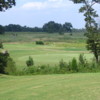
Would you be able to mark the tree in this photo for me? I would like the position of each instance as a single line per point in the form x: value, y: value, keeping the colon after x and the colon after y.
x: 13, y: 28
x: 51, y: 27
x: 2, y: 30
x: 93, y: 35
x: 5, y: 4
x: 67, y: 27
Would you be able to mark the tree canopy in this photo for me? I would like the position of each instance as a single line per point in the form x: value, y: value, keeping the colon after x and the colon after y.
x: 2, y: 30
x: 5, y: 4
x: 92, y: 28
x: 52, y: 27
x: 85, y: 1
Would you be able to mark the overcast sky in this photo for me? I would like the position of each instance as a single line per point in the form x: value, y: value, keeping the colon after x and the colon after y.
x: 37, y: 12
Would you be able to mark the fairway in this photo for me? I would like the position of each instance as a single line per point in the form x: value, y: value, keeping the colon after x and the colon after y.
x: 48, y: 54
x: 50, y: 50
x: 50, y: 87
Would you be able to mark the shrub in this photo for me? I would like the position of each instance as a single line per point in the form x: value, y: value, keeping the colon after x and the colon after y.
x: 62, y: 64
x: 39, y: 42
x: 1, y: 45
x: 82, y: 60
x: 10, y: 69
x: 30, y: 62
x: 74, y: 65
x: 3, y: 61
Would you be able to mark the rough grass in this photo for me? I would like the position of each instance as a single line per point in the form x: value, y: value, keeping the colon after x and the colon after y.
x: 34, y: 36
x: 47, y: 87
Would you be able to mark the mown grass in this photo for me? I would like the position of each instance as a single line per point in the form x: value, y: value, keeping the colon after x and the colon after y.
x: 50, y: 53
x: 47, y: 87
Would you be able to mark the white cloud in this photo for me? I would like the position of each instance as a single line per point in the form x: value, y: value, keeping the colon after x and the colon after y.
x: 47, y: 4
x: 36, y: 5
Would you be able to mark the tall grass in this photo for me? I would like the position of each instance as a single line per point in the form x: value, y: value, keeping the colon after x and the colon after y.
x: 35, y: 36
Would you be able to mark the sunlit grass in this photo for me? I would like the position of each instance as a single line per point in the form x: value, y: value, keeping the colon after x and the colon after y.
x: 47, y: 87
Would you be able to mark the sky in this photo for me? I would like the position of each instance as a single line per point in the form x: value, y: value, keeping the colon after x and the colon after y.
x: 38, y: 12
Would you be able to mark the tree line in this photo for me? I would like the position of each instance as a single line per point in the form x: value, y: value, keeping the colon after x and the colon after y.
x: 50, y: 27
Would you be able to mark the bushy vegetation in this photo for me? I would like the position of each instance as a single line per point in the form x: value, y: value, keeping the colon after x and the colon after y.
x: 30, y: 62
x: 11, y: 67
x: 7, y: 65
x: 73, y: 66
x: 39, y: 42
x: 2, y: 30
x: 1, y: 45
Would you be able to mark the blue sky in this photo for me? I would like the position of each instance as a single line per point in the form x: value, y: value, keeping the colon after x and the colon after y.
x: 37, y: 12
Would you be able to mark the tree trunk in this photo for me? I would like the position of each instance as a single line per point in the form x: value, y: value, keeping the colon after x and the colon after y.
x: 96, y: 56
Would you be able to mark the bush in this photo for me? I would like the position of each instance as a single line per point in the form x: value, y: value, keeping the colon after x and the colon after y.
x: 1, y: 45
x: 3, y: 61
x: 10, y: 69
x: 30, y: 62
x: 62, y: 64
x: 39, y: 42
x: 74, y: 65
x: 82, y: 60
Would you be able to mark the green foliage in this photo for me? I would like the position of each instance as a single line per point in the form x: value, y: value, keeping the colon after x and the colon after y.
x: 30, y: 62
x: 5, y: 4
x: 10, y: 68
x: 63, y: 66
x: 1, y: 45
x: 83, y: 1
x: 2, y: 30
x: 94, y: 45
x: 67, y: 27
x: 74, y: 65
x: 52, y: 27
x: 3, y: 61
x: 7, y: 65
x: 39, y: 42
x: 93, y: 41
x: 82, y: 60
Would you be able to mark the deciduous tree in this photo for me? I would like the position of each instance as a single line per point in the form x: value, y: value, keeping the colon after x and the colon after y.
x: 5, y: 4
x: 93, y: 35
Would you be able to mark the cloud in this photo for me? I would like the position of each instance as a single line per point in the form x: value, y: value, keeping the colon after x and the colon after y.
x: 35, y: 5
x: 47, y: 4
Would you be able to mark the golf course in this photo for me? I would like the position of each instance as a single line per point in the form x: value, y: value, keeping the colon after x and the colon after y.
x: 50, y: 50
x: 46, y: 87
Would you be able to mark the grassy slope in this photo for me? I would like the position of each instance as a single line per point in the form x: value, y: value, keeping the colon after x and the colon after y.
x: 51, y: 87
